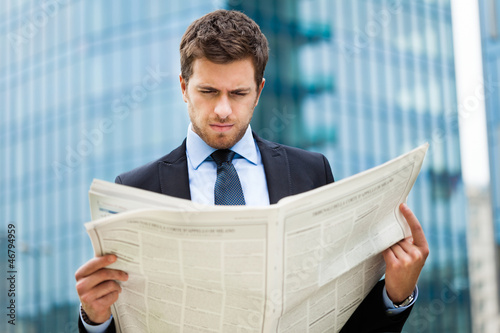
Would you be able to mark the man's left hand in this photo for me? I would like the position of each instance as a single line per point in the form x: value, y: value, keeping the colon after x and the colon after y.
x: 404, y: 261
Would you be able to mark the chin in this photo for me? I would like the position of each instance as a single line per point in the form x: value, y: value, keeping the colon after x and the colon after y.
x: 222, y: 142
x: 222, y: 145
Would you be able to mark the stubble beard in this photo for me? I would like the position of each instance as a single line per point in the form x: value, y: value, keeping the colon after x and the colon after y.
x: 220, y: 140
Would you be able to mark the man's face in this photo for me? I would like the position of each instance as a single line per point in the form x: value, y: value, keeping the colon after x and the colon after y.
x: 221, y: 99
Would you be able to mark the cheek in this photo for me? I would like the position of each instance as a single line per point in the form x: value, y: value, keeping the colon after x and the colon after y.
x: 199, y: 110
x: 249, y: 112
x: 200, y: 104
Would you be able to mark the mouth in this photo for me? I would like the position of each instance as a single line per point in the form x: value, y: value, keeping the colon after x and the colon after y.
x: 221, y: 127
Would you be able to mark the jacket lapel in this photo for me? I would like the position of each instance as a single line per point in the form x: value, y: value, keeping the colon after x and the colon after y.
x: 174, y: 178
x: 173, y: 174
x: 276, y: 167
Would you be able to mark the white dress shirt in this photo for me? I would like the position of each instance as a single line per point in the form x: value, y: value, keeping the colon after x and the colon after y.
x: 247, y: 161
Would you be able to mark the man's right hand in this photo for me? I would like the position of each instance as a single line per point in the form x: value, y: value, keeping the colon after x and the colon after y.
x: 97, y: 287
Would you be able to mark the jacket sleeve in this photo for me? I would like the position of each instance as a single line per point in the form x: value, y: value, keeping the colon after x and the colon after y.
x: 371, y: 315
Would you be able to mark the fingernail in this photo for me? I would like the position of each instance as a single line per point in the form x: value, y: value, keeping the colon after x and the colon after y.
x: 405, y: 206
x: 111, y: 258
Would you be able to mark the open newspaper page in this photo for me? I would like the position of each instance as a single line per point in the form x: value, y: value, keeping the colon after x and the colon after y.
x: 332, y: 242
x: 302, y: 265
x: 109, y: 198
x: 197, y: 271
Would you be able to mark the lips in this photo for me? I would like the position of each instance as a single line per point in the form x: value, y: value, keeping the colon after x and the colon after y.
x: 221, y: 127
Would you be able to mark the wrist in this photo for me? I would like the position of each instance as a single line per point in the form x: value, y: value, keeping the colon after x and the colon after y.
x: 407, y: 301
x: 86, y: 319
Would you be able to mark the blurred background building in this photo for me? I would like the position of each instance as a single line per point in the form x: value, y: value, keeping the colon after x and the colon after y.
x: 482, y: 269
x: 486, y: 316
x: 90, y: 89
x: 490, y: 38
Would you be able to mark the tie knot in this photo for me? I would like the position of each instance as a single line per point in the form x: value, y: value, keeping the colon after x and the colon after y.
x: 222, y: 155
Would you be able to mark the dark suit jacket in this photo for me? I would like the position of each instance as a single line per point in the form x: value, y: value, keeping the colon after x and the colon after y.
x: 288, y: 171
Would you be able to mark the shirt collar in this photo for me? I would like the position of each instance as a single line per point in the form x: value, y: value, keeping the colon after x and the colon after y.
x: 197, y: 150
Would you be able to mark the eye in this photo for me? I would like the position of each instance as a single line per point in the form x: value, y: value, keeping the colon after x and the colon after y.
x: 208, y: 91
x: 240, y: 93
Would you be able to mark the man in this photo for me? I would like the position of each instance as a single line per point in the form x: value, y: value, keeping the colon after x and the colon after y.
x: 223, y: 57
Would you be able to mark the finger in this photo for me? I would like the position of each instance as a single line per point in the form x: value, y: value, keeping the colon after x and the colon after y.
x: 99, y: 310
x: 397, y: 249
x: 94, y: 265
x: 100, y: 291
x: 89, y: 282
x: 416, y: 254
x: 415, y: 227
x: 399, y: 252
x: 406, y: 244
x: 106, y: 301
x: 106, y: 288
x: 389, y: 256
x: 105, y: 274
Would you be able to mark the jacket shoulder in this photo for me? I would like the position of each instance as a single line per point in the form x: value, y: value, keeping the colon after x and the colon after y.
x: 302, y: 163
x: 147, y: 176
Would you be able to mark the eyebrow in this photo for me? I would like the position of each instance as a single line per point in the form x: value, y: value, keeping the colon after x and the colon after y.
x: 241, y: 90
x: 201, y: 86
x: 208, y: 87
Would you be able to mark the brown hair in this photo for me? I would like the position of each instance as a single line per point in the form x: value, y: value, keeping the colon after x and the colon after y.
x: 224, y: 36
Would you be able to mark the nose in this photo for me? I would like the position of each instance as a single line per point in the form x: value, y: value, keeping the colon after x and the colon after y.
x: 223, y: 107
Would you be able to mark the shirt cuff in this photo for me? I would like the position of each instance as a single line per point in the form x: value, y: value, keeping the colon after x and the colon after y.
x: 389, y: 306
x: 101, y: 328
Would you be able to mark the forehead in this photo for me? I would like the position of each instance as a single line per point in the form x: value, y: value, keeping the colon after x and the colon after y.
x: 239, y: 73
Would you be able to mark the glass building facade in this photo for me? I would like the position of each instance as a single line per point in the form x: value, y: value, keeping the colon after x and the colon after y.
x: 489, y: 11
x: 90, y: 89
x: 490, y: 33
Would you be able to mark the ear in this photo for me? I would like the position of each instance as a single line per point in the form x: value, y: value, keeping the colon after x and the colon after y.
x: 259, y: 91
x: 183, y: 88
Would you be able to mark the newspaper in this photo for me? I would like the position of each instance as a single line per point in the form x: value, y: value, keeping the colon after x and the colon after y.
x: 301, y: 265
